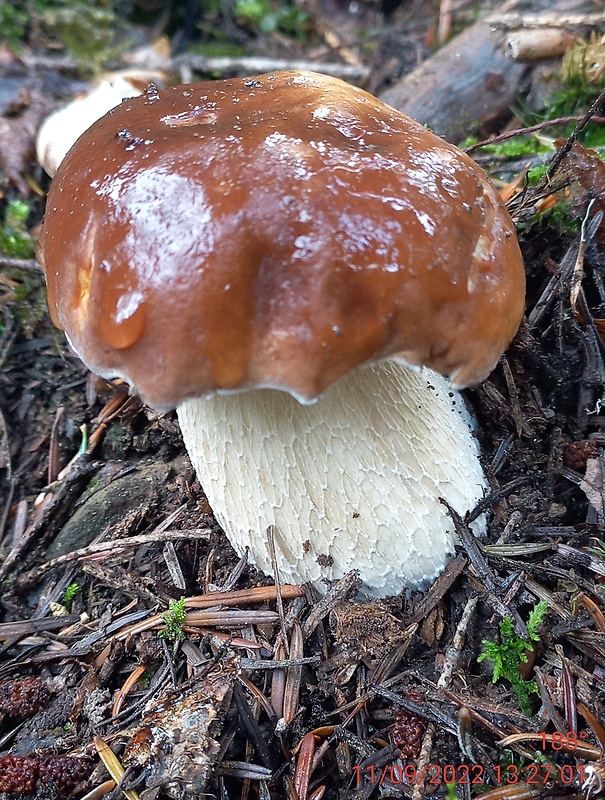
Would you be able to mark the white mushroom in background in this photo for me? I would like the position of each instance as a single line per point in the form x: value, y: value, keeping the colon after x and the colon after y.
x: 271, y: 255
x: 61, y: 129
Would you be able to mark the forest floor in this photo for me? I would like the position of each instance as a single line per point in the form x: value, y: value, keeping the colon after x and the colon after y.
x: 244, y: 689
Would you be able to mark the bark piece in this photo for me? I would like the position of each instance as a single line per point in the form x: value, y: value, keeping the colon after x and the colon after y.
x: 466, y: 84
x: 108, y: 506
x: 538, y: 45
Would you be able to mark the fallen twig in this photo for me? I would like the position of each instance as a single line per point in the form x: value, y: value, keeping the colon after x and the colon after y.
x: 511, y: 20
x: 221, y: 65
x: 27, y: 264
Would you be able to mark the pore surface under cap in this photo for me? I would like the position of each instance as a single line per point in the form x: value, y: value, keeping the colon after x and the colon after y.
x: 274, y: 231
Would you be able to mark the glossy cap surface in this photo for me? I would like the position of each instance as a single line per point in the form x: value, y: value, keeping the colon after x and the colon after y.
x: 275, y: 231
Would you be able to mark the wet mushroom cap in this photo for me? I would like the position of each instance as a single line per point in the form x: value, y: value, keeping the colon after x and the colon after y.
x: 277, y: 232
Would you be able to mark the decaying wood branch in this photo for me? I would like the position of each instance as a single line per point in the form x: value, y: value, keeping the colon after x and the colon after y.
x: 467, y: 81
x: 472, y: 82
x: 539, y: 44
x: 554, y: 20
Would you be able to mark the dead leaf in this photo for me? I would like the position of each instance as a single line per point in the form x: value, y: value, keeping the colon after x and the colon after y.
x: 586, y: 171
x: 592, y: 486
x: 18, y: 136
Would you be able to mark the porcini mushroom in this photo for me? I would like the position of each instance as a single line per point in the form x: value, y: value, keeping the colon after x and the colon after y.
x: 277, y: 257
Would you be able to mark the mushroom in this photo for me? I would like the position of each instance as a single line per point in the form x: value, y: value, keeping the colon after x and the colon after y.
x: 291, y: 263
x: 60, y: 130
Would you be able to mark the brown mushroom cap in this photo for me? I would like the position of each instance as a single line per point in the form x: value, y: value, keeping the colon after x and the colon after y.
x: 275, y: 231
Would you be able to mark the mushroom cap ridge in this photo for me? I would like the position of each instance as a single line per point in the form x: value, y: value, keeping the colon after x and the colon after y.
x: 275, y: 231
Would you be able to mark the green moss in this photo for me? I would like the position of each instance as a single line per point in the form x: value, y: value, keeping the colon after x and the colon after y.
x: 577, y: 86
x: 87, y: 28
x: 269, y: 16
x: 88, y: 31
x: 580, y: 79
x: 508, y: 655
x: 29, y: 305
x: 13, y: 24
x: 536, y: 174
x: 217, y: 49
x: 173, y: 619
x: 118, y: 439
x: 561, y: 217
x: 517, y: 147
x: 15, y: 241
x: 593, y: 137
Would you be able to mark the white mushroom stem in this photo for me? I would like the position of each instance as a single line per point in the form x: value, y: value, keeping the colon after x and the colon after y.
x: 350, y: 482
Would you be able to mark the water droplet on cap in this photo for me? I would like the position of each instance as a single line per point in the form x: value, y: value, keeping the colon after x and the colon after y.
x: 122, y: 319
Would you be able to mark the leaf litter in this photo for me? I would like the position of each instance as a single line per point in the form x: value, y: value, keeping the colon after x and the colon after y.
x: 275, y: 691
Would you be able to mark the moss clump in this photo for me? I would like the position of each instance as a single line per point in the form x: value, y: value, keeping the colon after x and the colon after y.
x: 268, y: 16
x: 15, y: 241
x: 87, y: 30
x: 13, y: 24
x: 174, y: 619
x: 508, y: 655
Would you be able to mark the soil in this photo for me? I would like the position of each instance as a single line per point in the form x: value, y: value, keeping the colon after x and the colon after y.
x: 282, y: 693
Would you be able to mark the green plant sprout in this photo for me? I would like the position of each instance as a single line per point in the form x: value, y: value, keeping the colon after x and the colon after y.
x: 508, y: 656
x: 69, y: 594
x: 84, y: 441
x: 173, y: 619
